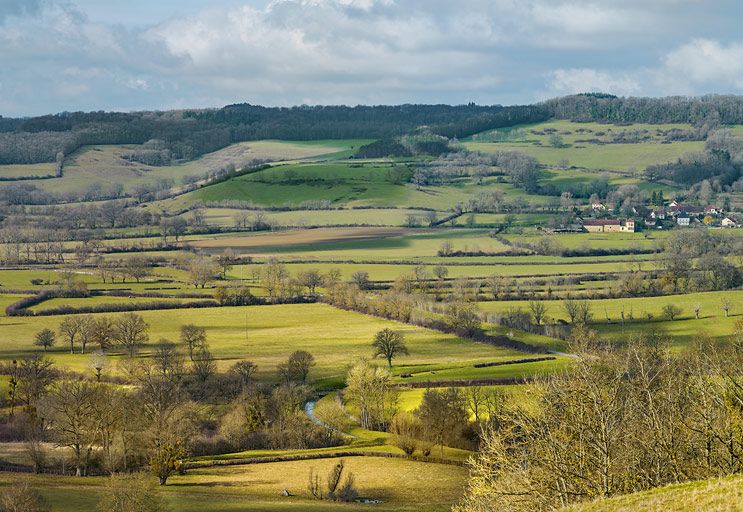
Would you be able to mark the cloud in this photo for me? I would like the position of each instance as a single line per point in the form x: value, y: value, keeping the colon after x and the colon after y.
x: 699, y: 66
x: 10, y: 8
x: 286, y: 52
x: 706, y: 62
x: 577, y: 80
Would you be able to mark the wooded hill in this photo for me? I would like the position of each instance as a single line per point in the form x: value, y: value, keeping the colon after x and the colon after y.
x: 186, y: 134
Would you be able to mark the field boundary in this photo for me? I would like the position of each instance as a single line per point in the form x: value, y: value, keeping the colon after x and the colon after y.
x: 317, y: 456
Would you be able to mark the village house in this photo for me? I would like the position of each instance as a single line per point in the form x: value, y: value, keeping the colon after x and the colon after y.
x: 609, y: 226
x: 685, y: 210
x: 683, y: 220
x: 658, y: 213
x: 730, y: 222
x: 713, y: 210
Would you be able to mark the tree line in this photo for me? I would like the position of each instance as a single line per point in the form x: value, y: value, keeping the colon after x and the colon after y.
x: 712, y: 110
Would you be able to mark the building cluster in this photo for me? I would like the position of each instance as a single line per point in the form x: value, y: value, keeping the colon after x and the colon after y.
x: 675, y: 213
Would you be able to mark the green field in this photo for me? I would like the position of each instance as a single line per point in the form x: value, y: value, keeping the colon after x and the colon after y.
x: 24, y: 170
x: 711, y: 321
x: 399, y: 484
x: 590, y: 155
x: 335, y: 338
x: 347, y: 183
x: 104, y: 164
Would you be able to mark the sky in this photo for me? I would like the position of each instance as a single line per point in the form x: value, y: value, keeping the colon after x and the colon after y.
x: 71, y: 55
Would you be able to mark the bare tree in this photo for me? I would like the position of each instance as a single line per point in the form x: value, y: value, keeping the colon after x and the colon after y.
x: 201, y: 271
x: 538, y: 310
x: 130, y: 331
x: 72, y: 328
x: 225, y: 261
x: 310, y: 279
x: 45, y: 338
x: 20, y: 497
x: 193, y: 337
x: 297, y: 367
x: 203, y: 364
x: 244, y: 370
x: 389, y: 344
x: 70, y: 409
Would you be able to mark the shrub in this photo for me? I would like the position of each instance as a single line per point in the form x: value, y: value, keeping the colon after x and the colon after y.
x: 22, y: 498
x: 128, y: 493
x: 405, y: 430
x: 671, y: 311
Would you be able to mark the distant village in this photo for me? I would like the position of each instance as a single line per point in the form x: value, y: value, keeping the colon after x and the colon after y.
x: 596, y: 218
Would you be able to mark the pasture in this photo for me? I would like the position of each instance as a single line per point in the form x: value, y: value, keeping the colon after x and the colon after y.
x: 589, y: 145
x: 267, y: 335
x: 643, y: 313
x: 398, y: 484
x: 105, y: 165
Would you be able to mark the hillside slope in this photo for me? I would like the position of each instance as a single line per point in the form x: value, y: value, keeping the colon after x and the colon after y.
x: 714, y: 495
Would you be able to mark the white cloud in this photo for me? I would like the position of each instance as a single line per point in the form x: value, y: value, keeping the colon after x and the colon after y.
x: 577, y: 80
x: 705, y: 62
x: 354, y: 51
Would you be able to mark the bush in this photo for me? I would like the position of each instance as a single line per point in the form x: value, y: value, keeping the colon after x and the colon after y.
x: 22, y: 498
x: 405, y: 430
x: 129, y: 493
x: 671, y: 311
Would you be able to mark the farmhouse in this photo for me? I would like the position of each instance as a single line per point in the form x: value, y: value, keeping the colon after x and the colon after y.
x: 730, y: 222
x: 683, y: 220
x: 682, y: 210
x: 609, y: 225
x: 659, y: 213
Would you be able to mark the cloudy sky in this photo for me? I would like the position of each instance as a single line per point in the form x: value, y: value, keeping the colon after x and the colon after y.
x: 58, y: 55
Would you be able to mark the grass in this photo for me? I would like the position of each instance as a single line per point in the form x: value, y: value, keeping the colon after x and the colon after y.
x: 390, y: 272
x: 410, y: 399
x: 294, y: 184
x: 104, y: 165
x: 467, y: 372
x: 614, y: 157
x: 682, y: 330
x: 161, y: 279
x: 588, y: 154
x: 101, y: 300
x: 400, y: 484
x: 360, y: 244
x: 641, y: 240
x: 347, y: 183
x: 336, y: 338
x: 303, y: 218
x: 23, y: 170
x: 713, y: 495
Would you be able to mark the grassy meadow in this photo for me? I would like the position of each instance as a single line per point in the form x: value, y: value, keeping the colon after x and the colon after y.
x: 398, y: 484
x: 267, y: 335
x: 105, y: 165
x: 588, y: 145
